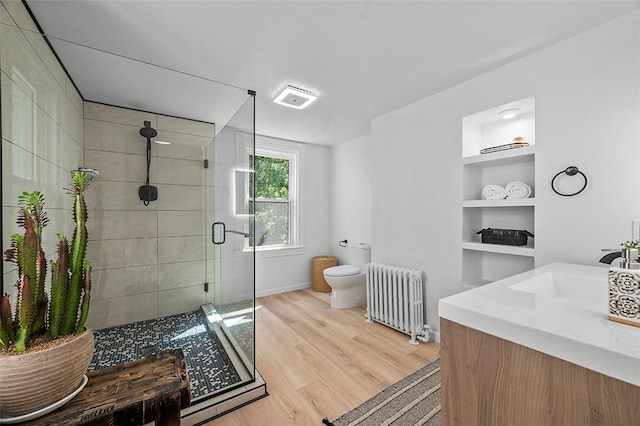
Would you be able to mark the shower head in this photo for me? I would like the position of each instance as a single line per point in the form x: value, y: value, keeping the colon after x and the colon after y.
x: 147, y: 131
x: 92, y: 174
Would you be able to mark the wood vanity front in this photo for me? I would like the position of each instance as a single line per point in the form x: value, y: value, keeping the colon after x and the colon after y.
x: 487, y: 380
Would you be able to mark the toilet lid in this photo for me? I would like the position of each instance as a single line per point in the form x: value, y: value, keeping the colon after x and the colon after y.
x: 342, y: 271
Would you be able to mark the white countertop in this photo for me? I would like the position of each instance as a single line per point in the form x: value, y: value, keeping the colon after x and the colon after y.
x: 572, y: 328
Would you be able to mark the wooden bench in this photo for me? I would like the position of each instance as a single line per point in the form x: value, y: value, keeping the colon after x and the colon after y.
x: 134, y: 393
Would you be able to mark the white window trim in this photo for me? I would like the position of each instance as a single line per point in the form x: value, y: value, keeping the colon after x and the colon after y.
x: 295, y: 153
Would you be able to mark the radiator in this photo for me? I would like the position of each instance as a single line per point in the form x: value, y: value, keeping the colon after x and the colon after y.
x: 394, y: 298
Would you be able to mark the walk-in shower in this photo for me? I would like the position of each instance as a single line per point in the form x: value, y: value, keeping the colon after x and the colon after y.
x: 159, y: 281
x: 204, y: 298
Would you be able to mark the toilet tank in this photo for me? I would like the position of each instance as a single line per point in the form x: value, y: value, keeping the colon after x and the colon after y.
x: 360, y: 255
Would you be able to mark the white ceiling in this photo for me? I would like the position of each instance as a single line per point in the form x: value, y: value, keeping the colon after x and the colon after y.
x: 364, y: 58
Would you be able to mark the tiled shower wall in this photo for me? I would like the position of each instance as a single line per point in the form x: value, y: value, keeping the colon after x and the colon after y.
x: 148, y: 261
x: 41, y: 129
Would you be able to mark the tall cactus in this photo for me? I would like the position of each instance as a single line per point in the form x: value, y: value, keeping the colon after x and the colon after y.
x: 26, y: 252
x: 6, y: 324
x: 78, y: 250
x: 70, y: 277
x: 59, y: 286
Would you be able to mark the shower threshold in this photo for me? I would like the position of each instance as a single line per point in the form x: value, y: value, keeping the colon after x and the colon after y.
x: 251, y: 388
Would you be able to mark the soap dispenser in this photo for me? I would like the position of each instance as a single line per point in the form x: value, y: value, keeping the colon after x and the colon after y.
x: 624, y: 289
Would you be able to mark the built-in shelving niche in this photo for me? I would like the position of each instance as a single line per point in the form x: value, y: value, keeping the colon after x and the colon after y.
x: 484, y: 263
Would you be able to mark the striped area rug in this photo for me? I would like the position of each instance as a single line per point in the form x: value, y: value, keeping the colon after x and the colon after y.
x: 414, y: 400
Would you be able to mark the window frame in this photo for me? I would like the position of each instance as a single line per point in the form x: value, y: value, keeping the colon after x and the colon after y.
x: 266, y: 146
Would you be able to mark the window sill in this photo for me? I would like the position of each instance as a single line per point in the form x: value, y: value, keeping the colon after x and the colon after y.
x: 280, y: 251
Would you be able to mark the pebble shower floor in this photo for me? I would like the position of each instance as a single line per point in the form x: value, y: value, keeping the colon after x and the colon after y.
x: 209, y: 367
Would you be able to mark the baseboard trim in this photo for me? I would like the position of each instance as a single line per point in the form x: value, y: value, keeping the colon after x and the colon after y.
x: 285, y: 289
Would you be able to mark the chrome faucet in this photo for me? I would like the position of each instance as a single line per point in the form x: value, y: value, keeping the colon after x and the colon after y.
x: 629, y: 257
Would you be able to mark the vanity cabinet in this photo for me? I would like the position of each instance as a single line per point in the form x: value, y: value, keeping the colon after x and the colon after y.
x: 481, y: 262
x: 487, y: 380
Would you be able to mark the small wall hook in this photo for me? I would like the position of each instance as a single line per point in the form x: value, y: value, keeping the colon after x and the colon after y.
x: 342, y: 243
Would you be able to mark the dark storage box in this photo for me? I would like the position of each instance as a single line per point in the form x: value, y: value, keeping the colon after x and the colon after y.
x: 509, y: 237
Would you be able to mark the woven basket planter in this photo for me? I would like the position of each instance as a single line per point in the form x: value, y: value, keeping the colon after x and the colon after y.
x: 319, y: 264
x: 31, y: 381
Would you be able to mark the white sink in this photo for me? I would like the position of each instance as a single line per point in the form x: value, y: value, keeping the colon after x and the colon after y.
x: 567, y: 285
x: 559, y: 309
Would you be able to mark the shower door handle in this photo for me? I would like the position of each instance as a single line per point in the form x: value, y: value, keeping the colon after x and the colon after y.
x: 224, y: 233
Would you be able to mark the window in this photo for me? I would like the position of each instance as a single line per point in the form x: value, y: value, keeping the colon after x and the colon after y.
x: 277, y: 194
x: 272, y: 207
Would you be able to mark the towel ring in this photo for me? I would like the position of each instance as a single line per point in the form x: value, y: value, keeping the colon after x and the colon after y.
x: 570, y: 171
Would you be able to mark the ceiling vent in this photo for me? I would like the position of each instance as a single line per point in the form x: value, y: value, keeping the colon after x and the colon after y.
x: 295, y: 97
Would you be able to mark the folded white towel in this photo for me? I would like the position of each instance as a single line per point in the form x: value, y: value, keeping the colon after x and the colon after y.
x: 493, y: 192
x: 518, y: 190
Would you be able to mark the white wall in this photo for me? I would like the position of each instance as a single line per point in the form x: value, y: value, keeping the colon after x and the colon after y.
x: 587, y: 93
x: 351, y: 195
x: 277, y: 274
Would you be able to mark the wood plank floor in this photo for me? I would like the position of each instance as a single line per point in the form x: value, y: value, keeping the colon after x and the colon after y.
x: 320, y: 362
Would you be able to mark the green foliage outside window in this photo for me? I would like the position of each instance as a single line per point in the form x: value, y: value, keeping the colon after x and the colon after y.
x: 271, y: 216
x: 272, y: 177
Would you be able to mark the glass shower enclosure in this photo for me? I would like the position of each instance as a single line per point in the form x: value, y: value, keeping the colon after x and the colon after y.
x: 230, y: 304
x: 178, y: 272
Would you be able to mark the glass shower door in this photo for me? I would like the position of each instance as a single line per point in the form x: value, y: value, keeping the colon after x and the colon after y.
x: 231, y: 256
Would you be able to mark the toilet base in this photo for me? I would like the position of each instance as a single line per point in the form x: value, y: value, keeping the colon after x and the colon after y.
x: 348, y: 298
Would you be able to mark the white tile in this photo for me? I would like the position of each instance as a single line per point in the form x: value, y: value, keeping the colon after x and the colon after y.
x: 180, y: 249
x: 23, y: 66
x: 178, y: 148
x: 189, y: 127
x: 140, y: 307
x: 73, y: 156
x: 51, y: 139
x: 180, y: 197
x: 41, y: 48
x: 122, y: 310
x: 108, y: 283
x: 181, y: 223
x: 19, y: 14
x: 120, y: 167
x: 74, y: 97
x: 107, y: 195
x: 171, y: 302
x: 25, y: 172
x: 181, y: 274
x: 112, y: 114
x: 72, y: 120
x: 106, y: 136
x: 117, y: 225
x: 5, y: 18
x: 9, y: 214
x: 107, y: 254
x: 180, y: 172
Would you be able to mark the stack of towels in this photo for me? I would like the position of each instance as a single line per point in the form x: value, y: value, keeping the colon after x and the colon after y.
x: 513, y: 190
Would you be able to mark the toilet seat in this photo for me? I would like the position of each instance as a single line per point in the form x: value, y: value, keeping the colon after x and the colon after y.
x: 342, y: 271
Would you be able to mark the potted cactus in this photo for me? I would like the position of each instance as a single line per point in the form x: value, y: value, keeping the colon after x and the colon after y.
x: 45, y: 348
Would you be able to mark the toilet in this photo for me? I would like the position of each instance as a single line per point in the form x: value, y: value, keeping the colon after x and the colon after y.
x: 348, y: 282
